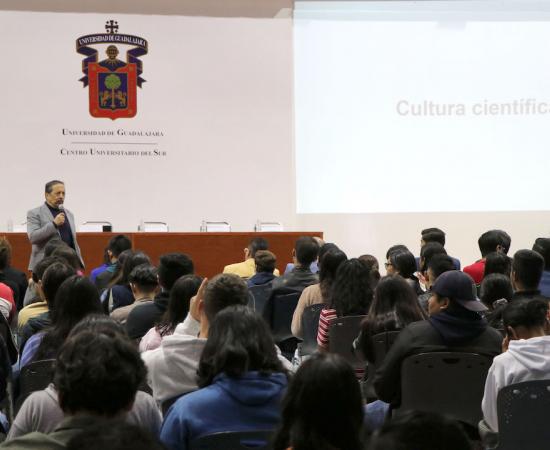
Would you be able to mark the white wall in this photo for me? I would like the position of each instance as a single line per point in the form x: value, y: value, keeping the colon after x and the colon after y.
x: 375, y: 233
x: 220, y: 90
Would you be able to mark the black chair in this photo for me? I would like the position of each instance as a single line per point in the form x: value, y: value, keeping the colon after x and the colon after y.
x: 35, y: 376
x: 381, y: 344
x: 522, y: 410
x: 278, y: 313
x: 342, y: 331
x: 260, y: 295
x: 310, y: 326
x: 234, y: 440
x: 449, y: 383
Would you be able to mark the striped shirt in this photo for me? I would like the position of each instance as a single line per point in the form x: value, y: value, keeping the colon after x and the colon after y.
x: 322, y: 333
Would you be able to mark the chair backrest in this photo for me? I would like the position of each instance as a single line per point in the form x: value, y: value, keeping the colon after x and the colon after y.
x: 381, y: 344
x: 278, y: 313
x: 450, y: 383
x: 35, y: 376
x: 342, y: 331
x: 522, y: 410
x: 310, y: 326
x: 260, y: 294
x: 234, y: 440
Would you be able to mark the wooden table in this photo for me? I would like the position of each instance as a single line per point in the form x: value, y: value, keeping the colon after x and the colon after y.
x: 210, y: 251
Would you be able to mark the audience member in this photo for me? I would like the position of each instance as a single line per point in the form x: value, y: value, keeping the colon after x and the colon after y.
x: 70, y: 256
x: 432, y: 235
x: 494, y: 288
x: 320, y: 292
x: 100, y: 269
x: 31, y: 295
x: 114, y: 435
x: 143, y: 282
x: 306, y: 250
x: 265, y: 267
x: 7, y: 303
x: 322, y: 408
x: 12, y: 277
x: 52, y: 245
x: 40, y: 306
x: 120, y: 292
x: 437, y: 265
x: 496, y: 292
x: 542, y: 246
x: 373, y: 266
x: 8, y: 356
x: 420, y: 431
x: 178, y: 307
x: 314, y: 266
x: 96, y: 377
x: 41, y: 411
x: 101, y: 276
x: 53, y: 277
x: 394, y: 306
x: 527, y: 268
x: 454, y: 325
x: 490, y: 241
x: 247, y: 268
x: 435, y: 235
x: 241, y: 379
x: 525, y: 354
x: 427, y: 252
x: 351, y: 296
x: 173, y: 365
x: 143, y: 317
x: 106, y: 293
x: 75, y: 299
x: 395, y: 248
x: 402, y: 262
x: 497, y: 262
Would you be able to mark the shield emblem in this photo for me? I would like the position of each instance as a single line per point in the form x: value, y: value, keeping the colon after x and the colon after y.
x: 113, y: 93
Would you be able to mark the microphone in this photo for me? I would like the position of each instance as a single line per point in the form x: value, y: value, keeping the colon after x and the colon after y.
x: 61, y: 207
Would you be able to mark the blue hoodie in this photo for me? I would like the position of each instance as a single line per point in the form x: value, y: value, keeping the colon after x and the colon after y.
x: 250, y: 402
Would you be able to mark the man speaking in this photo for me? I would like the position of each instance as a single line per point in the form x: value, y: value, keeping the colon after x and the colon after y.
x: 51, y: 220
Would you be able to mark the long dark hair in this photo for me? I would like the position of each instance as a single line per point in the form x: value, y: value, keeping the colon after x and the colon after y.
x: 178, y: 305
x: 328, y: 265
x: 322, y: 408
x: 238, y: 341
x: 75, y: 299
x: 395, y: 305
x: 351, y: 292
x: 130, y: 263
x: 404, y: 263
x: 117, y: 274
x: 495, y: 286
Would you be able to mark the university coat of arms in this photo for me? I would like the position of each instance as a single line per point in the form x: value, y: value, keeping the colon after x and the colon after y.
x: 112, y: 82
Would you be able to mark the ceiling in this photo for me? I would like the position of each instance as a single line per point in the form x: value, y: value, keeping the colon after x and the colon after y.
x: 214, y: 8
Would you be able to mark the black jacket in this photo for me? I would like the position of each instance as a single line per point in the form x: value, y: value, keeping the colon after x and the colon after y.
x: 144, y: 317
x: 297, y: 280
x: 422, y: 337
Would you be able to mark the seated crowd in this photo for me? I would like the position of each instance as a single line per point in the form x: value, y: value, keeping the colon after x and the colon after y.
x: 151, y: 357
